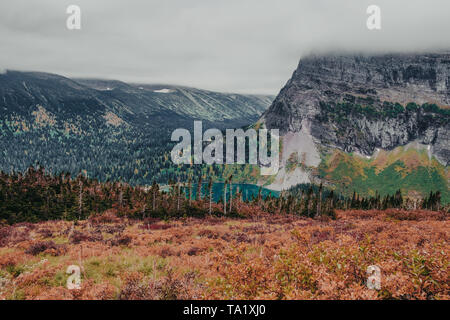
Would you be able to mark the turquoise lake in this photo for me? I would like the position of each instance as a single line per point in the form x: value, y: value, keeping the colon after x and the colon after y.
x: 248, y: 191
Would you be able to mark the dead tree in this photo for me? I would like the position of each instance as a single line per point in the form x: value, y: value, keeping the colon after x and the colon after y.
x: 80, y: 200
x: 225, y: 197
x: 231, y: 193
x: 199, y: 189
x: 210, y: 194
x: 190, y: 190
x: 178, y: 196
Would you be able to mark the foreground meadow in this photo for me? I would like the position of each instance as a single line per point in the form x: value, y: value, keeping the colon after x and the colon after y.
x: 265, y: 257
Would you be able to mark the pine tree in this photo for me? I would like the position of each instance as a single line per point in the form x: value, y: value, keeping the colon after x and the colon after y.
x: 308, y: 201
x: 120, y: 196
x: 319, y: 201
x: 154, y: 189
x: 80, y: 200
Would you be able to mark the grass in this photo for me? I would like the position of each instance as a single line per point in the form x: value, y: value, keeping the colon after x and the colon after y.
x: 408, y: 170
x: 271, y: 257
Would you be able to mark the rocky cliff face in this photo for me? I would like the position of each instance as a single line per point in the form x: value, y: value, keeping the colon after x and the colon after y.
x: 361, y: 103
x: 366, y: 124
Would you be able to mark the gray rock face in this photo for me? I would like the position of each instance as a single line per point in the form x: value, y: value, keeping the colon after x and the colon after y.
x: 360, y: 103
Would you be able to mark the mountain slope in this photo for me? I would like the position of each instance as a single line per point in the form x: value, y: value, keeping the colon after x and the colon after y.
x: 193, y: 103
x: 22, y: 92
x: 111, y: 129
x: 356, y: 105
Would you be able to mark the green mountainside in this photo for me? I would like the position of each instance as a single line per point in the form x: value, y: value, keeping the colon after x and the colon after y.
x: 409, y: 169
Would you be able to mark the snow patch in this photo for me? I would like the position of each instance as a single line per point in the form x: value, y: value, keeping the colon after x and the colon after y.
x: 163, y: 91
x: 420, y: 146
x: 286, y: 180
x: 301, y: 143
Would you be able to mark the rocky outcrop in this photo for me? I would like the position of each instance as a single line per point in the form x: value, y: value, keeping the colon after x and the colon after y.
x: 360, y: 103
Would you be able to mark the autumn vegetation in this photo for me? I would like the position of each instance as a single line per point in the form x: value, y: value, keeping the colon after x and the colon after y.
x: 137, y: 243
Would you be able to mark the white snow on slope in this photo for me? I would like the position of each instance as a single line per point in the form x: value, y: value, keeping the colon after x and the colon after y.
x: 163, y: 91
x: 302, y: 145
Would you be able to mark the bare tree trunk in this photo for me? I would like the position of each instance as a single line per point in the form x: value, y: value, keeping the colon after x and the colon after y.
x: 190, y: 191
x: 121, y: 197
x: 80, y: 200
x: 178, y: 196
x: 225, y: 198
x: 280, y: 201
x: 154, y: 199
x: 210, y: 195
x: 319, y: 203
x: 231, y: 196
x: 300, y: 206
x: 199, y: 189
x: 143, y: 210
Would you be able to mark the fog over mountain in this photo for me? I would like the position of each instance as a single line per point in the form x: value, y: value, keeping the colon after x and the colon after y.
x: 365, y: 123
x: 236, y: 46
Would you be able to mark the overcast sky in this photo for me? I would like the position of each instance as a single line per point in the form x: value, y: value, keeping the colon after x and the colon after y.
x: 249, y: 46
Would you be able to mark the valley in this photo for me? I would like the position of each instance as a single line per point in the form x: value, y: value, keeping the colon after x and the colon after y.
x: 87, y: 184
x: 378, y: 130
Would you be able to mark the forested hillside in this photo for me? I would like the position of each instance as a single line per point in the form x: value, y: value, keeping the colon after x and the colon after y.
x: 37, y: 195
x: 109, y: 129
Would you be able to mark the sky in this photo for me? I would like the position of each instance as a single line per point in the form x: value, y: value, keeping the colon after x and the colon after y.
x: 244, y: 46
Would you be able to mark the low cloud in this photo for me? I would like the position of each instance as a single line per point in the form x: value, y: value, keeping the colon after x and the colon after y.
x: 225, y: 45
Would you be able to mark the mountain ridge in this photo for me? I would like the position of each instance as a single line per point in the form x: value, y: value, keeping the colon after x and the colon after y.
x: 131, y: 99
x: 110, y: 129
x: 359, y: 104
